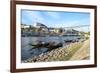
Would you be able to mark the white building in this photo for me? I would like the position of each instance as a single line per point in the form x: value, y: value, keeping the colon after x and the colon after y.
x: 25, y: 26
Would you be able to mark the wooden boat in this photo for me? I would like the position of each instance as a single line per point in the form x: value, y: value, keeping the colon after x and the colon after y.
x: 49, y: 45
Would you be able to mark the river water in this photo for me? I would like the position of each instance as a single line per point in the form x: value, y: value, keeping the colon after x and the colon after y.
x: 26, y: 51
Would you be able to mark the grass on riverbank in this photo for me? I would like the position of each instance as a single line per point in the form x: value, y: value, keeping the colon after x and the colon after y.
x: 70, y: 52
x: 83, y: 52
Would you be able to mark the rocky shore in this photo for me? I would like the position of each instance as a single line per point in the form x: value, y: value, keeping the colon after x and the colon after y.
x: 59, y: 54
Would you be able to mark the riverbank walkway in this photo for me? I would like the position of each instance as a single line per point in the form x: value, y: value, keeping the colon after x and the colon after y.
x: 83, y: 52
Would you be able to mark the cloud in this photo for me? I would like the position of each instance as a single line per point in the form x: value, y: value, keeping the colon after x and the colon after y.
x: 54, y: 15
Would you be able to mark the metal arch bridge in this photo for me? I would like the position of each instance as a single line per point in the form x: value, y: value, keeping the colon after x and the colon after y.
x: 78, y: 26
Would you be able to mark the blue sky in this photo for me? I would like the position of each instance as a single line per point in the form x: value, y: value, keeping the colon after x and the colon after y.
x: 56, y: 19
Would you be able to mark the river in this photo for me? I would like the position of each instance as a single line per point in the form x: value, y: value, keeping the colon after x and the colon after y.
x: 26, y: 51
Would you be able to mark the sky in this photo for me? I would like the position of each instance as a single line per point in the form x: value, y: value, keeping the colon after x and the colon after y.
x: 56, y: 18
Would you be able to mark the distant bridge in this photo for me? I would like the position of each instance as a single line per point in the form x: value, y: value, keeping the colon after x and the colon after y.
x: 78, y: 26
